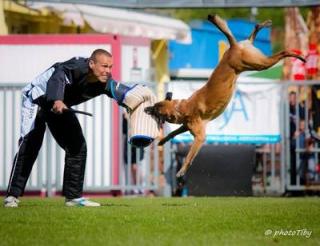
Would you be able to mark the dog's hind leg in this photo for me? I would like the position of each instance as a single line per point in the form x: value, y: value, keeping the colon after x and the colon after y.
x: 257, y: 61
x: 172, y: 134
x: 223, y: 27
x: 285, y: 53
x: 257, y: 28
x: 199, y: 132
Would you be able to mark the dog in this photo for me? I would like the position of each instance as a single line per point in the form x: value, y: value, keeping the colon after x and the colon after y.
x: 210, y: 101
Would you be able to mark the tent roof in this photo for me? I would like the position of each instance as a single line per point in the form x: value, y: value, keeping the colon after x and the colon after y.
x: 121, y: 21
x: 192, y: 3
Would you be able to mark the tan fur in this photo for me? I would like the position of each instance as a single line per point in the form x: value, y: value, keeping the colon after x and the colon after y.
x: 210, y: 101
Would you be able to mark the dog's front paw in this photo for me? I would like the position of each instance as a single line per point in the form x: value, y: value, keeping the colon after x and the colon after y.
x: 267, y: 23
x: 181, y: 173
x: 162, y: 142
x: 211, y: 17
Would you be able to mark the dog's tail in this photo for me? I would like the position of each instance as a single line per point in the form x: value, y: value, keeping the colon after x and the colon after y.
x: 223, y: 27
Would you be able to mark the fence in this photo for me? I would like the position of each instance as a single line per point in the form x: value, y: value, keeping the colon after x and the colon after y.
x: 287, y: 165
x: 47, y: 172
x: 302, y: 136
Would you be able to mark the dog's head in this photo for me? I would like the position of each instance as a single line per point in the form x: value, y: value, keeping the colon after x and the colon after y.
x: 165, y: 110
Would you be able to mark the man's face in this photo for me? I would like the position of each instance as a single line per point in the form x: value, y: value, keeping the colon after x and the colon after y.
x: 101, y: 67
x: 292, y: 99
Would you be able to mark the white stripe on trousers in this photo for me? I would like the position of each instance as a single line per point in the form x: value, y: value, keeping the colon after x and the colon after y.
x: 14, y: 166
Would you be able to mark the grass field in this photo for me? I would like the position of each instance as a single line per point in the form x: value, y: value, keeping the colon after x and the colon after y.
x: 163, y: 221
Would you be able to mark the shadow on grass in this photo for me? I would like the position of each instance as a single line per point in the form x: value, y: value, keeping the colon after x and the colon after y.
x: 174, y: 204
x: 115, y: 205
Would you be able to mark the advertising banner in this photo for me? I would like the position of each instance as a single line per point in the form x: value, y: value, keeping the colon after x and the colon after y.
x: 252, y: 116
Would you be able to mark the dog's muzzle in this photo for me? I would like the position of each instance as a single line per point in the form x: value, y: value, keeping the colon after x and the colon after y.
x: 155, y: 114
x: 149, y: 110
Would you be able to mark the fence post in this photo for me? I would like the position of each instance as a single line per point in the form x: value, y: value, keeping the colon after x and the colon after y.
x: 284, y: 141
x: 49, y: 166
x: 167, y: 159
x: 167, y: 169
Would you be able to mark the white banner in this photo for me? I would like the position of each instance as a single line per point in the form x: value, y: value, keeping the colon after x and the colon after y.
x: 252, y: 115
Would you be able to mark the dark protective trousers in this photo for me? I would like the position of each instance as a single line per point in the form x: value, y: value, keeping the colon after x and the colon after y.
x: 67, y: 131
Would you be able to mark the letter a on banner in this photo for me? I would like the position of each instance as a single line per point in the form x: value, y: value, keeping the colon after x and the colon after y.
x: 237, y: 105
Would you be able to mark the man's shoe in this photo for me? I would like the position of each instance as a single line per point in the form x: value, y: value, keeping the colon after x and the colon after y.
x: 81, y: 202
x: 11, y: 202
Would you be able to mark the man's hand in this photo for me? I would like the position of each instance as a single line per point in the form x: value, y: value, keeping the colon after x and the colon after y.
x: 58, y: 107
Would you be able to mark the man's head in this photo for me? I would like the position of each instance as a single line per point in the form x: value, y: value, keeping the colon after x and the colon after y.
x: 100, y: 63
x: 292, y: 98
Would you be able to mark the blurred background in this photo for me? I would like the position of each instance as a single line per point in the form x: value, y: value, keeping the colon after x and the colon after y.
x: 265, y: 143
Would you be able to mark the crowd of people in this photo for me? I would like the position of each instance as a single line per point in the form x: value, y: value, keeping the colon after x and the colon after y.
x: 304, y: 137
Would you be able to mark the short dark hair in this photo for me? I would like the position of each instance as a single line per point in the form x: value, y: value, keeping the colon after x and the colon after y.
x: 98, y: 52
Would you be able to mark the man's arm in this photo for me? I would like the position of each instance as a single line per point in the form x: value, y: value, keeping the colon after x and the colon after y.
x: 55, y: 90
x: 129, y: 97
x: 117, y: 91
x: 56, y: 85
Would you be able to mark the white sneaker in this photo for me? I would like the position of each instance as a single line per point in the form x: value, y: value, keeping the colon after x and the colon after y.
x: 11, y: 202
x: 81, y: 202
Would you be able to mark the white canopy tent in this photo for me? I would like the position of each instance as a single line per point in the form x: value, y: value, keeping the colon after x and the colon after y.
x: 121, y: 21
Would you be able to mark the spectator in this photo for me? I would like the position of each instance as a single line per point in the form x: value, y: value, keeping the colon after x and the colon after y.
x: 306, y: 157
x: 295, y: 117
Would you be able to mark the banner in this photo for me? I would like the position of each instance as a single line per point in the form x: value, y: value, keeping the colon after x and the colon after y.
x: 252, y: 116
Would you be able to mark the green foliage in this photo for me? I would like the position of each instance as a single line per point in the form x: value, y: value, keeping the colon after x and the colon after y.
x: 188, y: 15
x: 161, y: 221
x: 274, y: 14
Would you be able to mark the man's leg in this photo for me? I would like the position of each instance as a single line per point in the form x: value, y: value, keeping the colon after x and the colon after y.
x: 67, y: 131
x: 29, y: 147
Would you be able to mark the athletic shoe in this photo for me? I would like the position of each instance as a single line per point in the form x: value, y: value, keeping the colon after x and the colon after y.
x: 81, y: 202
x: 11, y: 202
x: 138, y: 192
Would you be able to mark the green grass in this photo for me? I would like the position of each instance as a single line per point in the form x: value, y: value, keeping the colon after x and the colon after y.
x: 161, y: 221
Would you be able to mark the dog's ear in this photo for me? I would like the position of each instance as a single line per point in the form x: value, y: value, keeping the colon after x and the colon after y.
x: 169, y: 96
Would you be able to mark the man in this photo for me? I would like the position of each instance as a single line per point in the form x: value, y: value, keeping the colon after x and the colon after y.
x: 46, y: 101
x: 295, y: 120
